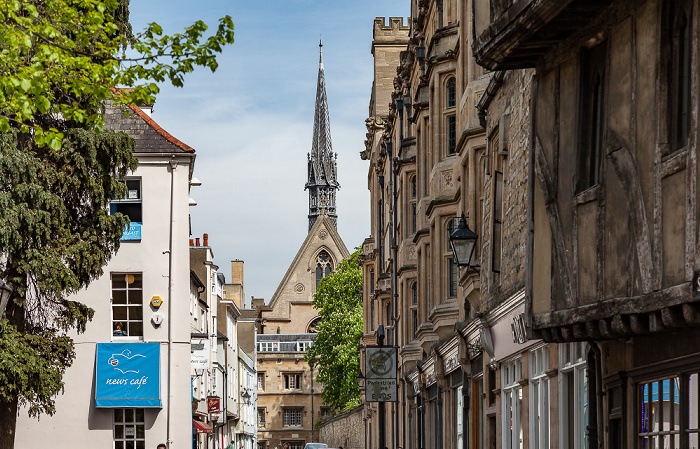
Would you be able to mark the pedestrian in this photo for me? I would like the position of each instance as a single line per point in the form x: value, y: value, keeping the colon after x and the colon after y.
x: 162, y: 446
x: 230, y: 445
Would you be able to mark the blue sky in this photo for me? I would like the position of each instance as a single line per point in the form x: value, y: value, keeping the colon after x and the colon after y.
x: 251, y: 122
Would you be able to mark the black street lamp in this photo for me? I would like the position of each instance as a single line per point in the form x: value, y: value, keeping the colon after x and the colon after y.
x: 5, y: 293
x: 463, y: 242
x: 361, y: 379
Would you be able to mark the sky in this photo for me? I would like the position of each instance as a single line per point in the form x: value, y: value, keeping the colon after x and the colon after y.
x: 251, y: 122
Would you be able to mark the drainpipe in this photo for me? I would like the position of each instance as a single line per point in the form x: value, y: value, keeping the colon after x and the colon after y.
x: 173, y: 166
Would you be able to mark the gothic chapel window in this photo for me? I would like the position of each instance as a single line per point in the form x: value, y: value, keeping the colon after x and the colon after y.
x: 324, y: 266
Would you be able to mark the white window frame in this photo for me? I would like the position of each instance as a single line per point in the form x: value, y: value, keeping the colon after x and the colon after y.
x: 134, y: 423
x: 292, y: 381
x: 268, y: 346
x: 303, y: 346
x: 511, y: 395
x: 539, y: 398
x: 128, y: 305
x: 572, y: 361
x: 261, y: 381
x: 292, y: 417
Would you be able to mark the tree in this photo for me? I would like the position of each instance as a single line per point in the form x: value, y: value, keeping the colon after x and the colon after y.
x: 335, y: 349
x: 60, y: 61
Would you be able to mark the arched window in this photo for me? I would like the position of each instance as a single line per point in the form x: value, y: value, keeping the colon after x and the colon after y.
x: 324, y: 266
x: 451, y: 92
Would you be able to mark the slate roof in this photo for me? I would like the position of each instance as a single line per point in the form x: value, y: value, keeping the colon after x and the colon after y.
x: 149, y: 136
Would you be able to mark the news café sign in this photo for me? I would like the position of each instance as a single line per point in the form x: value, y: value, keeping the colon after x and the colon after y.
x: 380, y: 369
x: 127, y: 375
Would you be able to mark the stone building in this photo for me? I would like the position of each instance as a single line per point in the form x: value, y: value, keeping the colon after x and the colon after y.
x: 289, y: 402
x: 425, y: 148
x: 612, y: 272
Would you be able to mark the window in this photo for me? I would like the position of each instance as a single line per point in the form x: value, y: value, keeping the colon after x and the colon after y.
x: 294, y: 444
x: 497, y: 225
x: 412, y: 202
x: 511, y: 395
x: 262, y: 445
x: 129, y: 430
x: 292, y: 382
x: 451, y: 131
x: 324, y: 266
x: 303, y: 346
x: 325, y: 412
x: 261, y: 381
x: 261, y: 417
x: 452, y: 267
x: 130, y: 205
x: 292, y: 418
x: 573, y: 395
x: 679, y: 75
x: 268, y: 346
x: 451, y: 93
x: 590, y: 135
x: 127, y: 305
x: 667, y: 412
x: 539, y: 398
x: 414, y: 322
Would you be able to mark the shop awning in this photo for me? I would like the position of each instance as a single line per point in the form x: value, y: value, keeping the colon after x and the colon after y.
x: 201, y: 427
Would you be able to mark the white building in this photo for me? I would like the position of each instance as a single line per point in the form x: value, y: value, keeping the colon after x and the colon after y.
x: 129, y: 385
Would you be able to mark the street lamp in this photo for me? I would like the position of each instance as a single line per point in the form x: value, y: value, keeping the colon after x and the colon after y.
x: 246, y: 396
x: 463, y: 242
x: 5, y: 293
x: 361, y: 379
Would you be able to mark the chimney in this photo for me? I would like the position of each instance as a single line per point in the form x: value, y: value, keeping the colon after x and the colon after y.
x: 191, y: 242
x: 197, y: 240
x: 206, y: 239
x: 237, y: 272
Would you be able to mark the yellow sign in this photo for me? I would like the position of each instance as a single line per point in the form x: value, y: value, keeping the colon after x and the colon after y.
x: 156, y: 301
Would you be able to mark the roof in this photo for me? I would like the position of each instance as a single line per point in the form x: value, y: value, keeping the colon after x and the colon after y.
x: 149, y: 136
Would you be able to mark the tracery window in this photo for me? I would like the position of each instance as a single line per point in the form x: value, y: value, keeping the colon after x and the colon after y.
x: 324, y: 266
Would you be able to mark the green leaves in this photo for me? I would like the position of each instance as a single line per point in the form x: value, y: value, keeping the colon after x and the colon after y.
x: 339, y: 302
x: 61, y: 58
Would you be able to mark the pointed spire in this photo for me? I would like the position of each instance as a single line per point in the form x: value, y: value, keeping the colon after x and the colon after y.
x: 322, y: 182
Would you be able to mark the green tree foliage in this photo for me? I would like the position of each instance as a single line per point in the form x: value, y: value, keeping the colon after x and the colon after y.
x: 60, y: 61
x: 335, y: 349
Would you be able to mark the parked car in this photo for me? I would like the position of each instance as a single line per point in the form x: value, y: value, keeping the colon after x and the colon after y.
x: 315, y: 446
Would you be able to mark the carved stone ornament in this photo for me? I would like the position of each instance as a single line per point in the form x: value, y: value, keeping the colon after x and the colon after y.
x: 447, y: 179
x: 299, y: 288
x: 322, y: 234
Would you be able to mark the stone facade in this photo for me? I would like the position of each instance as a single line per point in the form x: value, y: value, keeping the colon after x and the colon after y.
x: 344, y: 430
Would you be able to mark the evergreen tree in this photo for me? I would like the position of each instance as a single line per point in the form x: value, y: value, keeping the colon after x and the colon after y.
x: 60, y: 61
x: 335, y: 349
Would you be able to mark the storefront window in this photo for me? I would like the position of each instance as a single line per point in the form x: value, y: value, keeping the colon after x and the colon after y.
x: 511, y: 395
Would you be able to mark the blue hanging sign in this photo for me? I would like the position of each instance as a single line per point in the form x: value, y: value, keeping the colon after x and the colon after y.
x: 127, y: 375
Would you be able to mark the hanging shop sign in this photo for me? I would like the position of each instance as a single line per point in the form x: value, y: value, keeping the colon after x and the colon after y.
x: 200, y: 353
x: 213, y: 405
x: 127, y: 375
x: 380, y: 369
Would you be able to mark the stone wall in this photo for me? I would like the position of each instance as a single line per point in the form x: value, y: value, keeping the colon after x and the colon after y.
x: 346, y: 430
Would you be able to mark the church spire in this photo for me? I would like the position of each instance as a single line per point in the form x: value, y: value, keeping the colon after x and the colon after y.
x: 322, y: 182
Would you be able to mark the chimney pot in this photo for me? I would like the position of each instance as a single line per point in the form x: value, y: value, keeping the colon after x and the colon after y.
x: 206, y: 239
x: 191, y: 242
x: 197, y: 240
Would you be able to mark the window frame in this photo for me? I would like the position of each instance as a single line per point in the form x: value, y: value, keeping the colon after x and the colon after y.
x: 135, y: 422
x: 572, y: 363
x: 291, y: 416
x: 538, y: 360
x: 592, y: 98
x: 127, y: 322
x: 511, y: 397
x: 287, y: 381
x: 261, y: 381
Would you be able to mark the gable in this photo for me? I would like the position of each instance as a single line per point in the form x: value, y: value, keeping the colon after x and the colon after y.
x: 291, y: 304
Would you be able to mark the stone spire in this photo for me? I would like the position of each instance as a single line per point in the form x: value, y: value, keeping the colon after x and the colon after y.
x: 322, y: 182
